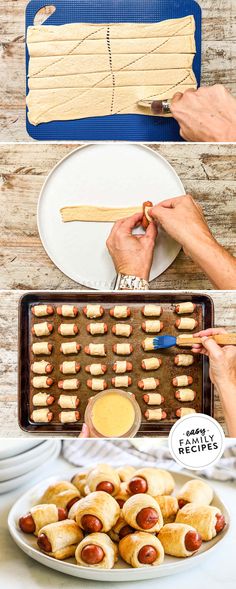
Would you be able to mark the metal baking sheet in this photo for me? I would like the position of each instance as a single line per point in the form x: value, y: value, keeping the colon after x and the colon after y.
x: 204, y: 313
x: 126, y: 127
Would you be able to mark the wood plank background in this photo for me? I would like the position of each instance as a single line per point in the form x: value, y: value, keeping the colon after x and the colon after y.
x: 225, y: 316
x: 207, y: 172
x: 218, y: 57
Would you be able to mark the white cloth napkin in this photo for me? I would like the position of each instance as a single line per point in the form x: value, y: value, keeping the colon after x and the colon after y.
x: 140, y: 452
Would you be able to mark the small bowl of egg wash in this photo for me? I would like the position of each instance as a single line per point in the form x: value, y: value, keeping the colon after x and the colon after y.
x: 113, y: 414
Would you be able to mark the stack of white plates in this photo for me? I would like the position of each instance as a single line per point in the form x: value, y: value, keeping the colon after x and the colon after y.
x: 22, y: 460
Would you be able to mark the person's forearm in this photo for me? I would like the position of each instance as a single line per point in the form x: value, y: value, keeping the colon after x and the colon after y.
x: 227, y: 394
x: 217, y: 263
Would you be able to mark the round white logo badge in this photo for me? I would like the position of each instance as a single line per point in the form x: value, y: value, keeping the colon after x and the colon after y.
x: 196, y: 441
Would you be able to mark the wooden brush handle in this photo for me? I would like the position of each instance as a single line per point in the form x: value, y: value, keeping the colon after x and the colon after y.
x: 222, y: 339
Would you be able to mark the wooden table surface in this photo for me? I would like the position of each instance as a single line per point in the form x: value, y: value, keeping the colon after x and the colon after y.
x: 208, y: 172
x: 218, y: 58
x: 225, y: 316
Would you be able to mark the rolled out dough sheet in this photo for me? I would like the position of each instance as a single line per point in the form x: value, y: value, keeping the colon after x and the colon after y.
x: 85, y: 70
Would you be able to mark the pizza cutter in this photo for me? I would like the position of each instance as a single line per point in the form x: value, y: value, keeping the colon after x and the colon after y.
x: 185, y: 340
x: 158, y: 107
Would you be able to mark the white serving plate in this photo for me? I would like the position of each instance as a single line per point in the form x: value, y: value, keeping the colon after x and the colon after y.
x: 121, y: 572
x: 14, y: 447
x: 14, y: 483
x: 116, y: 175
x: 23, y: 464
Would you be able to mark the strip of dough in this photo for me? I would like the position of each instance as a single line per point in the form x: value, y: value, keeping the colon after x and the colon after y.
x: 41, y: 348
x: 68, y: 416
x: 148, y: 344
x: 69, y: 348
x: 151, y: 363
x: 93, y: 311
x: 43, y: 515
x: 196, y: 491
x: 61, y: 535
x: 39, y: 367
x: 68, y: 401
x: 123, y: 349
x: 169, y: 507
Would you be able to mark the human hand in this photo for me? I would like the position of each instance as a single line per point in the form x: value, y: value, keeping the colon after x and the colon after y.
x: 222, y: 359
x: 132, y: 254
x: 182, y: 218
x: 206, y: 114
x: 85, y: 433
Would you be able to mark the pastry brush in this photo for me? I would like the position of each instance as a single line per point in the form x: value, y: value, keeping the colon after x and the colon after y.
x: 185, y: 340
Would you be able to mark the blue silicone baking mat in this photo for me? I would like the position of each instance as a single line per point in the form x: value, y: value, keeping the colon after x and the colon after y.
x: 113, y: 127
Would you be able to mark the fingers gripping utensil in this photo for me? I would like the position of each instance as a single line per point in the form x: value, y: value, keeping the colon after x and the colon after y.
x: 157, y: 107
x: 168, y: 341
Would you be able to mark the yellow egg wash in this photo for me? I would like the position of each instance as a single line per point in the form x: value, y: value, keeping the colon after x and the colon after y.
x: 113, y: 415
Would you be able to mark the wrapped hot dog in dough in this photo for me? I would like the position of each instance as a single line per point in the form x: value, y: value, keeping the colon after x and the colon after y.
x: 141, y: 549
x: 142, y: 512
x: 182, y: 411
x: 67, y: 329
x: 185, y: 395
x: 182, y: 308
x: 121, y: 381
x: 67, y: 311
x: 148, y: 384
x: 68, y: 401
x: 41, y: 367
x: 184, y: 359
x: 42, y: 382
x: 53, y: 490
x: 123, y: 494
x: 195, y: 491
x: 169, y: 507
x: 69, y: 416
x: 120, y: 530
x: 41, y: 416
x: 180, y: 540
x: 206, y: 519
x: 62, y: 537
x: 186, y: 323
x: 125, y: 472
x: 42, y: 329
x: 98, y: 512
x: 97, y: 328
x: 70, y: 348
x: 153, y: 399
x: 96, y: 369
x: 42, y: 399
x: 69, y: 384
x: 120, y: 312
x: 93, y: 311
x: 122, y: 329
x: 103, y: 478
x: 42, y: 310
x: 121, y: 366
x: 148, y: 344
x: 152, y: 310
x: 70, y: 367
x: 41, y: 515
x: 152, y: 326
x: 65, y: 499
x: 151, y: 363
x: 42, y: 348
x: 98, y: 551
x: 182, y: 380
x: 97, y: 384
x: 153, y: 481
x: 123, y: 349
x: 95, y: 350
x: 155, y: 414
x: 79, y: 481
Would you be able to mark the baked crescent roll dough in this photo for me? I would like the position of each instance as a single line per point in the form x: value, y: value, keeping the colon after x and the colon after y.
x: 101, y: 505
x: 79, y: 481
x: 69, y: 348
x: 39, y: 367
x: 93, y: 311
x: 186, y: 395
x: 152, y: 310
x: 96, y: 328
x: 122, y: 329
x: 120, y: 311
x: 44, y: 514
x: 125, y: 472
x: 97, y: 350
x: 159, y: 482
x: 154, y: 399
x: 151, y: 363
x: 121, y: 381
x: 99, y: 474
x: 172, y: 537
x: 103, y: 541
x: 152, y: 326
x: 40, y: 399
x: 196, y: 491
x: 40, y: 348
x: 41, y: 310
x: 123, y: 494
x: 53, y: 490
x: 185, y: 308
x: 135, y: 504
x: 114, y: 532
x: 187, y: 323
x: 201, y: 517
x: 130, y: 546
x: 169, y: 507
x: 63, y: 498
x: 185, y: 359
x: 63, y: 537
x: 68, y: 401
x: 67, y: 329
x: 41, y: 329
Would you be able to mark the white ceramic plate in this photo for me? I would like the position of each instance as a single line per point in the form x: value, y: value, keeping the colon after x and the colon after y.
x: 115, y: 175
x: 121, y: 572
x: 25, y: 464
x: 14, y: 483
x: 14, y: 447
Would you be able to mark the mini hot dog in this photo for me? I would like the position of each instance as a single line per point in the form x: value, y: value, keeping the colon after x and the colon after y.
x: 120, y: 530
x: 180, y: 540
x: 148, y: 384
x: 67, y: 311
x: 125, y: 472
x: 93, y: 311
x: 155, y: 414
x: 123, y: 494
x: 42, y: 310
x: 68, y: 329
x: 69, y: 416
x: 97, y: 550
x: 41, y: 416
x: 142, y: 512
x: 141, y: 549
x: 206, y: 519
x: 169, y: 507
x: 68, y: 402
x: 42, y: 329
x: 39, y: 516
x: 152, y: 310
x: 121, y: 366
x: 60, y: 539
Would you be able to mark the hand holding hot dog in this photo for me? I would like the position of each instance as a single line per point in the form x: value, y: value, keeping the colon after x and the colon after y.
x: 207, y: 114
x: 132, y: 254
x: 222, y: 373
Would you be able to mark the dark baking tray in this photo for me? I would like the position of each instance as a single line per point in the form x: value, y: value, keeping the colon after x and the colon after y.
x: 135, y: 300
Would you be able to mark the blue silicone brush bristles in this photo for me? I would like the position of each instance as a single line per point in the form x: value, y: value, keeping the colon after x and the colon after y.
x: 164, y: 341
